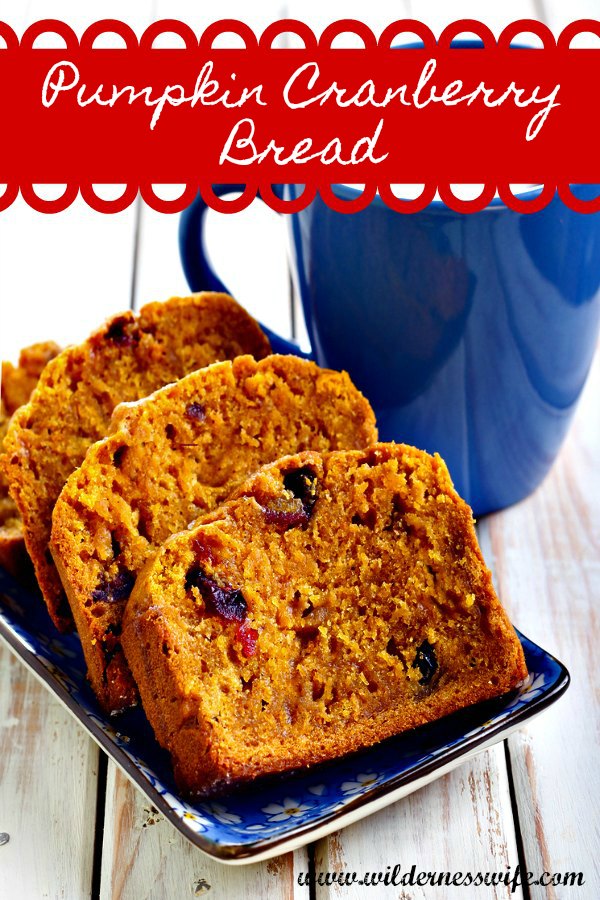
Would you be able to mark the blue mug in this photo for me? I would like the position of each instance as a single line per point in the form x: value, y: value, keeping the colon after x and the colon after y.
x: 471, y: 334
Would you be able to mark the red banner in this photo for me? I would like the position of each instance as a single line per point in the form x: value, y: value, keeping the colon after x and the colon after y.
x: 436, y: 115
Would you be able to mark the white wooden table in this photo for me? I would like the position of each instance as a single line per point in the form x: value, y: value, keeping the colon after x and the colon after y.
x: 77, y: 828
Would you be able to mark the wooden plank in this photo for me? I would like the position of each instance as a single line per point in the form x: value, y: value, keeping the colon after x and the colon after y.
x: 48, y: 770
x: 459, y: 823
x: 145, y: 857
x: 546, y: 557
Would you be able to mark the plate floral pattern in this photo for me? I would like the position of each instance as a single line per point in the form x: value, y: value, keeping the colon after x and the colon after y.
x: 288, y: 810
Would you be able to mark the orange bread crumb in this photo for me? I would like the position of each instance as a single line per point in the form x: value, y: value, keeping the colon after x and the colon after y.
x: 127, y: 358
x: 335, y: 600
x: 173, y: 456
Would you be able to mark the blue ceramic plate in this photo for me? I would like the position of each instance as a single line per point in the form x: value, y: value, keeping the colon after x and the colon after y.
x: 258, y: 822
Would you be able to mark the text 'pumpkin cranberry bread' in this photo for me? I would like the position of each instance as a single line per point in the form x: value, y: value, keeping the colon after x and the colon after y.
x: 128, y: 358
x: 334, y: 601
x: 18, y: 383
x: 172, y: 457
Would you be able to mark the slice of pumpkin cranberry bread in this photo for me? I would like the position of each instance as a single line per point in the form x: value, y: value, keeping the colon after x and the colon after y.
x: 18, y: 383
x: 127, y: 358
x: 335, y: 600
x: 172, y: 457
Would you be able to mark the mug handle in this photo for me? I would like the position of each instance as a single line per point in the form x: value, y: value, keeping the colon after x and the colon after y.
x: 198, y: 272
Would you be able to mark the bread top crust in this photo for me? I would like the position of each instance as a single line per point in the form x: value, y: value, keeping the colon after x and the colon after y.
x: 71, y: 407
